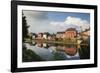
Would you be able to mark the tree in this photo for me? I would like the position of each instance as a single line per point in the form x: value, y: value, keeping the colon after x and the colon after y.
x: 24, y: 27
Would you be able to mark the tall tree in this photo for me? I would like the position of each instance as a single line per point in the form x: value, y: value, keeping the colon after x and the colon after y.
x: 24, y: 27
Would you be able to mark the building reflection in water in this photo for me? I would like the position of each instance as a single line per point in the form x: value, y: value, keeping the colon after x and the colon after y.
x: 61, y: 51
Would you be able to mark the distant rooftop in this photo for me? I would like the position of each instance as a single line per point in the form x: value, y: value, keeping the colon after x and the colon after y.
x: 60, y: 32
x: 71, y: 29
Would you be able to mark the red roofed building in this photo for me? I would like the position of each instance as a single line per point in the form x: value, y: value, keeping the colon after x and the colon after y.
x: 70, y: 33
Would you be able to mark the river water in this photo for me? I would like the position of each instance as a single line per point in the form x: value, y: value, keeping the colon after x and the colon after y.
x: 53, y: 52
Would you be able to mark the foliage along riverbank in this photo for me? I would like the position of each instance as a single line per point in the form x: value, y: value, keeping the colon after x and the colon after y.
x: 30, y: 56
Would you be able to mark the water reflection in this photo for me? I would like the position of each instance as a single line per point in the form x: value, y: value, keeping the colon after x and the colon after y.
x: 51, y: 52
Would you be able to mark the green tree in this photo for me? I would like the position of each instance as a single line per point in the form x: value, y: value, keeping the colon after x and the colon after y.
x: 24, y: 27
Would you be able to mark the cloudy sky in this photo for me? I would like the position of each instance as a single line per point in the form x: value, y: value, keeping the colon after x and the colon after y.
x: 53, y: 22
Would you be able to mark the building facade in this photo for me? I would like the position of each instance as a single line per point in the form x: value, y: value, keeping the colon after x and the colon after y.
x: 70, y: 33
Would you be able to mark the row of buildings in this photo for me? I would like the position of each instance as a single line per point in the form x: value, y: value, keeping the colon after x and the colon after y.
x: 70, y: 33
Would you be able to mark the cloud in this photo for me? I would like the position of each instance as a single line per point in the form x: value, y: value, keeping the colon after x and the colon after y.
x: 54, y: 23
x: 35, y: 14
x: 72, y: 22
x: 36, y: 19
x: 78, y: 22
x: 39, y: 22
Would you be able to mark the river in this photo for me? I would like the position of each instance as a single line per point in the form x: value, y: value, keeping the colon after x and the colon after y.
x: 54, y: 52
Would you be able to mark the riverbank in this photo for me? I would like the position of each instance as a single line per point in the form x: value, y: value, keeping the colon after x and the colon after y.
x: 67, y: 42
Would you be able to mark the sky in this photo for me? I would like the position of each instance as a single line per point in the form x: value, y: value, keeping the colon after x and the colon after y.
x: 52, y: 22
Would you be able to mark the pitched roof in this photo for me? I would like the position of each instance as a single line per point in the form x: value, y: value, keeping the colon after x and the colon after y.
x: 60, y: 32
x: 71, y: 29
x: 46, y: 33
